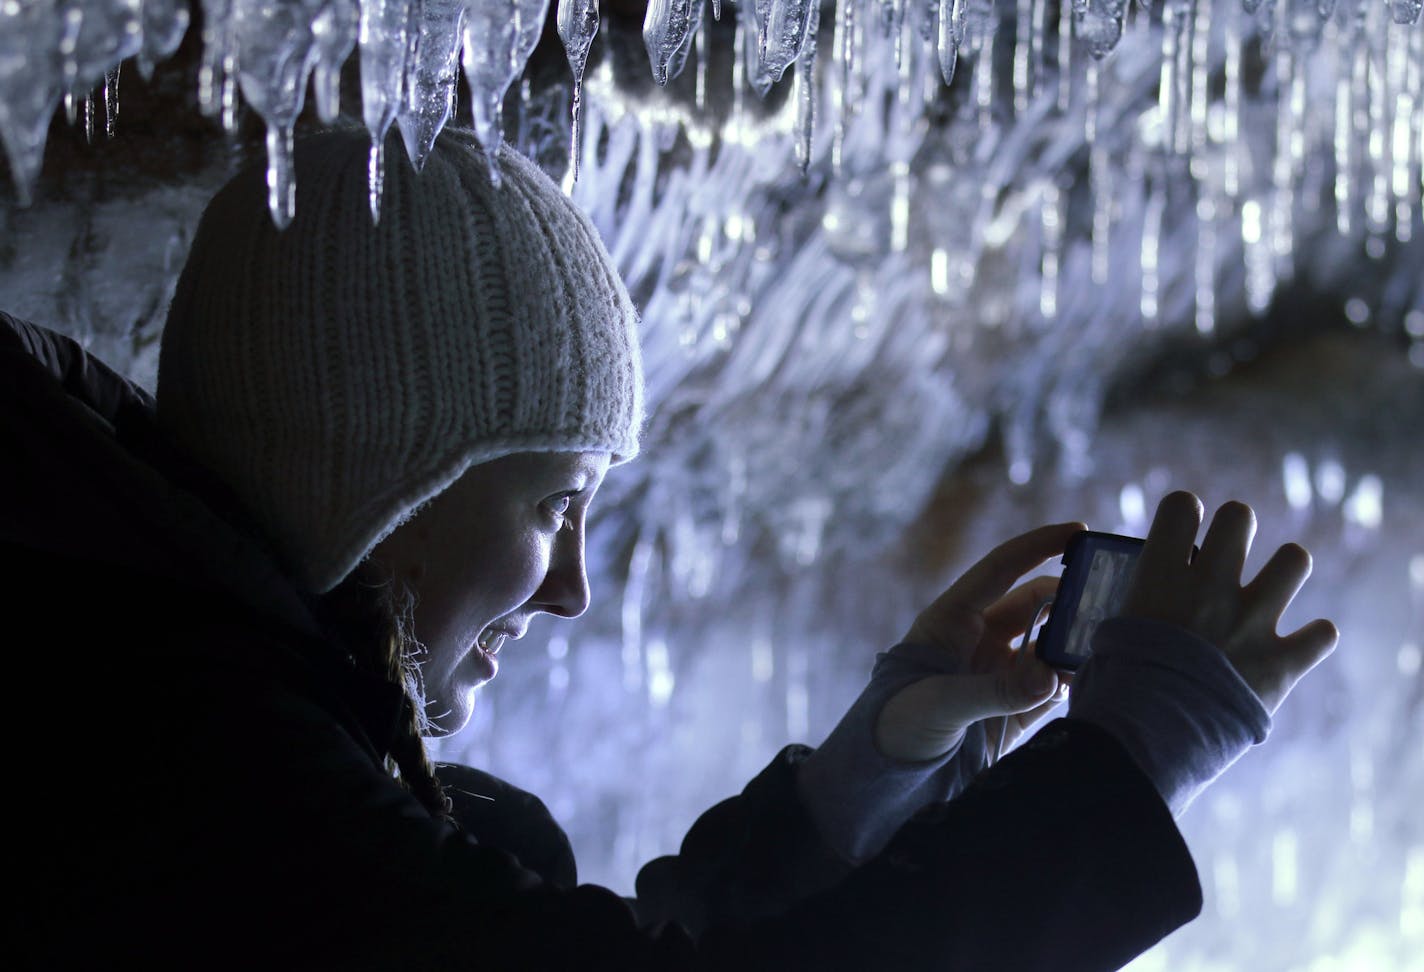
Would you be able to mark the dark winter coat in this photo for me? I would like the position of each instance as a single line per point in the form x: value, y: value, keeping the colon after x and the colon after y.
x: 200, y: 783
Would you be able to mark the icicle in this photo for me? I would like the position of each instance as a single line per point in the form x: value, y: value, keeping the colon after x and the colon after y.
x: 71, y: 107
x: 1304, y: 25
x: 111, y: 100
x: 740, y: 38
x: 1415, y: 134
x: 29, y: 90
x: 281, y: 179
x: 1181, y: 129
x: 751, y: 48
x: 1100, y: 180
x: 927, y: 18
x: 1201, y: 53
x: 699, y: 97
x: 1403, y: 110
x: 578, y: 25
x: 1167, y: 78
x: 892, y: 18
x: 1204, y: 267
x: 1282, y: 216
x: 949, y: 36
x: 984, y: 78
x: 431, y: 74
x: 1023, y: 41
x: 677, y: 62
x: 275, y: 56
x: 1377, y: 200
x: 643, y: 564
x: 1100, y: 23
x: 164, y: 24
x: 497, y: 46
x: 376, y: 177
x: 842, y: 54
x: 667, y: 28
x: 1344, y: 148
x: 892, y: 13
x: 1151, y: 239
x: 1051, y: 219
x: 96, y: 38
x: 1065, y: 56
x: 1260, y: 267
x: 384, y: 40
x: 217, y: 73
x: 1405, y: 11
x: 334, y: 33
x: 1091, y: 106
x: 806, y: 90
x: 900, y: 207
x: 781, y: 37
x: 1231, y: 124
x: 1040, y: 28
x: 717, y: 10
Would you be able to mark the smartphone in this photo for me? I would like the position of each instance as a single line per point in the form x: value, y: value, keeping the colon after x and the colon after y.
x: 1097, y: 569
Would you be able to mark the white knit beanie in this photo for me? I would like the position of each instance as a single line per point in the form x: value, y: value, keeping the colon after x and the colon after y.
x: 338, y: 374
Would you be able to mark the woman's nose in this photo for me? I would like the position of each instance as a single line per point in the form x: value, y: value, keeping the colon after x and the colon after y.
x: 565, y: 591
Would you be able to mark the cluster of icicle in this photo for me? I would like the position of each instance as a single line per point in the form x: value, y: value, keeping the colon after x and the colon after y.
x: 412, y: 52
x: 411, y: 55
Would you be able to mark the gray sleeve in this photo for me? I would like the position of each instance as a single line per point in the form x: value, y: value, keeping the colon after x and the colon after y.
x: 859, y: 798
x: 1173, y: 700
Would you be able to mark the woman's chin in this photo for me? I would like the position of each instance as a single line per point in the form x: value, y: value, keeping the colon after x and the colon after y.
x: 446, y: 719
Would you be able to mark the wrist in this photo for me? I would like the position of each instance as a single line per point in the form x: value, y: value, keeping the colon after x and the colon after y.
x: 1172, y: 700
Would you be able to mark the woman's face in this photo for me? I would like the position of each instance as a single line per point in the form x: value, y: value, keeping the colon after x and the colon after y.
x: 503, y: 543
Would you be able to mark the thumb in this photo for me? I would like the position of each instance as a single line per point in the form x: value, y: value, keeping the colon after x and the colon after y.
x: 1008, y: 691
x: 925, y: 718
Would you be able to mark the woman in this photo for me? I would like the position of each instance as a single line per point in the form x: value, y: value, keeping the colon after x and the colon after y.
x: 369, y: 464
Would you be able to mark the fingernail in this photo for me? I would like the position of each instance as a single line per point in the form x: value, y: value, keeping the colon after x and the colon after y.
x: 1039, y: 680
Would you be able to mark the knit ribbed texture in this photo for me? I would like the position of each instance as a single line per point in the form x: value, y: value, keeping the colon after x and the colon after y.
x: 338, y: 374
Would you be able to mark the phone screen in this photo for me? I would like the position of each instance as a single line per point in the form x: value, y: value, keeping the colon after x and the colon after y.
x: 1098, y: 571
x: 1104, y: 589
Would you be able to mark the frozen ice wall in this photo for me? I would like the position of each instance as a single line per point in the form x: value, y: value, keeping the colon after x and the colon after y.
x: 888, y: 321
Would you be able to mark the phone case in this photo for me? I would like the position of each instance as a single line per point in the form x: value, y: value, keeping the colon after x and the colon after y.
x: 1097, y: 568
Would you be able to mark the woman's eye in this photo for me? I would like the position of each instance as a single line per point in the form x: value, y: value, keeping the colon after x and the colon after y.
x: 558, y: 506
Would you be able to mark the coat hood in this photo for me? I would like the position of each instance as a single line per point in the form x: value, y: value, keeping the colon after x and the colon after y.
x: 90, y: 479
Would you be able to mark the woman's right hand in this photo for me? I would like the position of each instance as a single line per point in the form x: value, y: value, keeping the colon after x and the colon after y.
x: 1205, y: 594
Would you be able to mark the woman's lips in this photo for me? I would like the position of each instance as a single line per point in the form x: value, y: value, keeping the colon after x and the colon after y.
x: 485, y: 649
x: 484, y: 663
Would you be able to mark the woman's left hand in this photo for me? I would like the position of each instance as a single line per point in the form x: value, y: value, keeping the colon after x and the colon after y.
x: 976, y: 623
